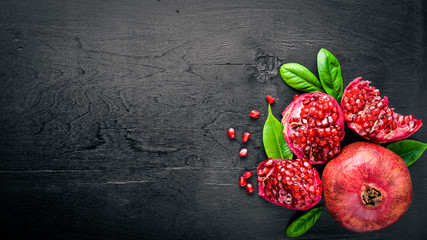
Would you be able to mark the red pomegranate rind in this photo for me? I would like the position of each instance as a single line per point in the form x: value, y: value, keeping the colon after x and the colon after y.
x: 371, y: 117
x: 292, y: 184
x: 313, y: 127
x: 359, y: 167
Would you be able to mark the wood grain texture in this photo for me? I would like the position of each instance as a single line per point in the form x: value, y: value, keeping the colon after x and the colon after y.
x: 114, y: 113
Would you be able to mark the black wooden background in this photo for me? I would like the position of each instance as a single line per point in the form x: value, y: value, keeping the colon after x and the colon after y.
x: 114, y: 113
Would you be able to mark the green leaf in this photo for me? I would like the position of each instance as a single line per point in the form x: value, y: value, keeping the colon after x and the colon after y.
x: 274, y: 142
x: 303, y: 223
x: 300, y: 78
x: 408, y: 150
x: 330, y: 74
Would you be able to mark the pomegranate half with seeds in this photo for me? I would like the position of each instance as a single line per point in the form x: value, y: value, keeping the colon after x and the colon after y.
x: 367, y: 187
x: 313, y: 126
x: 293, y: 184
x: 370, y: 116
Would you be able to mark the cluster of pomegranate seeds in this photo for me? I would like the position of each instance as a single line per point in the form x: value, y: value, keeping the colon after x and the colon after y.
x: 270, y: 99
x: 231, y: 133
x: 243, y: 152
x: 370, y: 116
x: 246, y: 136
x: 290, y: 183
x: 254, y: 114
x: 242, y: 182
x: 315, y: 130
x: 366, y: 109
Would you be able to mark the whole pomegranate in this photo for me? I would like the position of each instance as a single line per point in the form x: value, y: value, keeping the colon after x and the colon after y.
x: 370, y: 116
x: 367, y: 187
x: 293, y: 184
x: 313, y: 126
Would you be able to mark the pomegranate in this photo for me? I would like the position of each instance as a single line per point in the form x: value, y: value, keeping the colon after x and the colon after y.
x: 370, y: 116
x: 314, y: 127
x: 367, y: 187
x: 293, y: 184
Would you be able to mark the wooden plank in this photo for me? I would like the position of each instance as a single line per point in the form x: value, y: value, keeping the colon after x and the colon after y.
x: 114, y: 114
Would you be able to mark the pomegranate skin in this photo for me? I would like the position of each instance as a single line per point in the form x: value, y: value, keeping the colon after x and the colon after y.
x: 294, y: 110
x: 362, y: 168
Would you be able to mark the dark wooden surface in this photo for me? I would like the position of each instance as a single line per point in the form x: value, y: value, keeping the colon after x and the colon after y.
x: 114, y: 113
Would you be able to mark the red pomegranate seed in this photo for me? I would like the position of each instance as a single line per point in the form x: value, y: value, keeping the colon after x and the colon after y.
x: 248, y: 174
x: 254, y: 114
x: 270, y: 99
x: 295, y: 97
x: 269, y: 163
x: 242, y: 181
x: 243, y: 152
x: 250, y: 188
x: 246, y: 136
x: 231, y: 133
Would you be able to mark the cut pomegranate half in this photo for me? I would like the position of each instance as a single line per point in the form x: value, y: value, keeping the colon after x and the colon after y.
x: 313, y: 126
x: 292, y: 184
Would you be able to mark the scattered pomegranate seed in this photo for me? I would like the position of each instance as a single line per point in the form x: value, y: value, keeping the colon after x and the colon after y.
x: 242, y: 181
x: 243, y: 152
x: 231, y: 133
x: 246, y: 136
x: 250, y: 188
x: 248, y: 174
x: 254, y: 114
x: 270, y: 99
